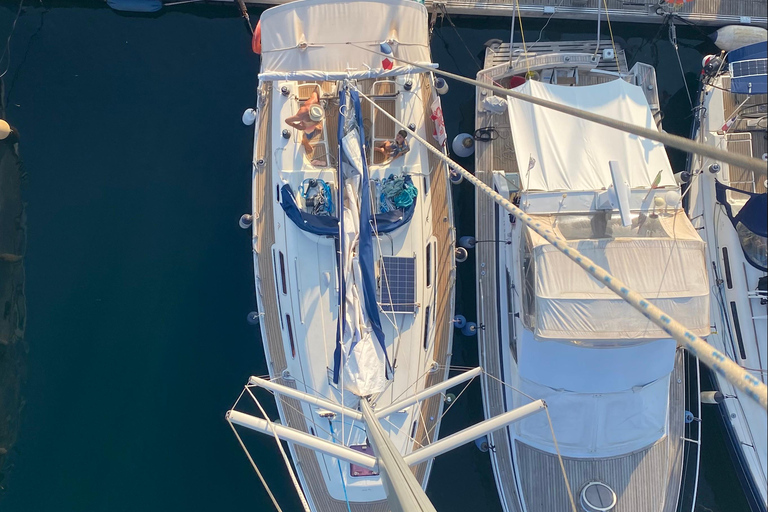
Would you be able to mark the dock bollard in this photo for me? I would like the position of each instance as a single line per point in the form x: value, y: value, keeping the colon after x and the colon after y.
x: 482, y: 444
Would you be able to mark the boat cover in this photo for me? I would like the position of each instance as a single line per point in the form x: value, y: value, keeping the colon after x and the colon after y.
x: 556, y: 151
x: 670, y: 271
x: 747, y: 66
x: 331, y: 40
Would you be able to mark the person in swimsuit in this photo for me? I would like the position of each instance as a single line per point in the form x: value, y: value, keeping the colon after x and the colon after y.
x: 309, y: 120
x: 397, y: 148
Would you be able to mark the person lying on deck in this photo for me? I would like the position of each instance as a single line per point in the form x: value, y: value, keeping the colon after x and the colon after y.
x: 308, y: 119
x: 395, y: 149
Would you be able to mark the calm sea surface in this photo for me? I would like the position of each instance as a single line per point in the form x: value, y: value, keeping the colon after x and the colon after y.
x: 139, y: 280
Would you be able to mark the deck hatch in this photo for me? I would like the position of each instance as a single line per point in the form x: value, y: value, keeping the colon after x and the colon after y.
x: 397, y: 284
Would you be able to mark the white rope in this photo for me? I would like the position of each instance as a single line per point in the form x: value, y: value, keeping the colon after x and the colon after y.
x: 710, y: 356
x: 299, y: 491
x: 560, y: 459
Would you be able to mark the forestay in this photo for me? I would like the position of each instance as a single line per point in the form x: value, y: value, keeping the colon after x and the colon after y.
x: 660, y: 256
x: 556, y: 151
x: 314, y: 43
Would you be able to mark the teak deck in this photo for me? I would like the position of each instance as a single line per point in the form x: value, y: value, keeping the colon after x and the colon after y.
x: 441, y: 216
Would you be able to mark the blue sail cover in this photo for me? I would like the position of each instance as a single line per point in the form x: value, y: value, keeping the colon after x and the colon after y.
x: 365, y: 245
x: 748, y: 69
x: 340, y: 244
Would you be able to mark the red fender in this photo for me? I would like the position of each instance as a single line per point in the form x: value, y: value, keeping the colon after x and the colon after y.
x: 256, y: 41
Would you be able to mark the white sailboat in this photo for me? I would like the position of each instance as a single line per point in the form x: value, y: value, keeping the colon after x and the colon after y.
x: 614, y: 383
x: 353, y: 243
x: 728, y: 206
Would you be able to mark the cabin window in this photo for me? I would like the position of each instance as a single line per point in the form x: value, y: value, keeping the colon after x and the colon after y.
x: 290, y: 335
x: 429, y: 265
x: 426, y: 327
x: 511, y: 319
x: 282, y: 272
x: 529, y: 284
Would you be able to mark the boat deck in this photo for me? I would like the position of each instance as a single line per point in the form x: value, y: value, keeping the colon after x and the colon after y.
x: 636, y: 477
x: 499, y: 155
x: 264, y: 238
x: 702, y: 12
x: 633, y: 476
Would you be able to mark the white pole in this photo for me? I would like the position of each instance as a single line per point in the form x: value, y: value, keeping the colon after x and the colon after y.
x: 437, y: 388
x: 474, y: 432
x: 599, y: 7
x: 303, y: 439
x: 304, y: 397
x: 404, y: 494
x: 706, y: 353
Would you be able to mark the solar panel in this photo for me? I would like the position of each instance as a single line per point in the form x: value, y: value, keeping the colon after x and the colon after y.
x: 397, y: 284
x: 752, y: 67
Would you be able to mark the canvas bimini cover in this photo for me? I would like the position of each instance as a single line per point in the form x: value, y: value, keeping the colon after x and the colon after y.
x: 662, y: 258
x: 556, y: 151
x: 330, y: 40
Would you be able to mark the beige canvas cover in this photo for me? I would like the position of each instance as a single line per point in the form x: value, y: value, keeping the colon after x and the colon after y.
x: 329, y: 39
x: 668, y: 268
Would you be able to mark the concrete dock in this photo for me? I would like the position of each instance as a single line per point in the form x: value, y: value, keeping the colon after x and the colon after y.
x: 700, y: 12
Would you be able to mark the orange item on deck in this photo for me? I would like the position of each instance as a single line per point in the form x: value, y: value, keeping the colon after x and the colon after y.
x: 256, y: 41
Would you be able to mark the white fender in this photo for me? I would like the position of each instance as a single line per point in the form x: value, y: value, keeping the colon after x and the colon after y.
x: 735, y: 36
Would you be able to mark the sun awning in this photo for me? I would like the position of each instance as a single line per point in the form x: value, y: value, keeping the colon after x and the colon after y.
x: 556, y: 151
x: 665, y: 262
x: 330, y: 40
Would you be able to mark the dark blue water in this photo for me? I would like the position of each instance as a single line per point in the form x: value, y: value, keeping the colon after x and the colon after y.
x: 139, y: 280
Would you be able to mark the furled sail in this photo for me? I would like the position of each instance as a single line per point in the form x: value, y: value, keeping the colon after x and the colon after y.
x: 360, y: 351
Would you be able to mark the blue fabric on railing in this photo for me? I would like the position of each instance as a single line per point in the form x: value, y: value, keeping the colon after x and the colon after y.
x: 317, y: 224
x: 389, y: 221
x: 325, y: 225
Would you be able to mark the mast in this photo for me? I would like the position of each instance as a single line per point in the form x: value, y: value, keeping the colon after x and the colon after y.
x: 404, y: 493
